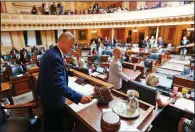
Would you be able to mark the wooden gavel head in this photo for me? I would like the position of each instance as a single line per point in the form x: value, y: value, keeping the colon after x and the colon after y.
x: 104, y: 94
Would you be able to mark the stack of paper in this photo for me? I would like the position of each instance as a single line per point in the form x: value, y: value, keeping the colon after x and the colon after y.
x: 79, y: 107
x: 185, y: 104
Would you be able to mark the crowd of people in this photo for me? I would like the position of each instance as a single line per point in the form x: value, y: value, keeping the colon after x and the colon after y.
x: 54, y: 9
x: 59, y: 9
x: 159, y: 5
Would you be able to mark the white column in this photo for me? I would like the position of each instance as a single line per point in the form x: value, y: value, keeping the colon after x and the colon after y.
x: 74, y: 32
x: 157, y: 31
x: 112, y: 34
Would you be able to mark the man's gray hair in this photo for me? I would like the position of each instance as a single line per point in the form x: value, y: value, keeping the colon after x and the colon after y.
x: 67, y: 35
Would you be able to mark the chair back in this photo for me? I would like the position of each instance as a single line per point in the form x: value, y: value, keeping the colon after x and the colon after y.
x: 95, y: 58
x: 31, y: 54
x: 107, y: 52
x: 146, y: 93
x: 148, y: 64
x: 154, y: 56
x: 7, y: 57
x: 127, y: 45
x: 118, y: 45
x: 17, y: 69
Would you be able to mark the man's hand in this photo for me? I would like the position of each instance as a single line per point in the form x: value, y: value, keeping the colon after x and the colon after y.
x: 85, y: 100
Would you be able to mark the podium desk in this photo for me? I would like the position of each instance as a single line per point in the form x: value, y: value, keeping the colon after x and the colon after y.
x: 87, y: 116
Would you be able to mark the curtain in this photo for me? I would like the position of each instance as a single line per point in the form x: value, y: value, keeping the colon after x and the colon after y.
x: 38, y: 38
x: 56, y: 35
x: 25, y: 38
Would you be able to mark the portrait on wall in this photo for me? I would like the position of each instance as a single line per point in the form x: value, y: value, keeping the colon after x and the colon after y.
x: 83, y: 35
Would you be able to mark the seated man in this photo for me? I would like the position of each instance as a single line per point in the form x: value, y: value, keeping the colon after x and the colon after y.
x: 189, y: 71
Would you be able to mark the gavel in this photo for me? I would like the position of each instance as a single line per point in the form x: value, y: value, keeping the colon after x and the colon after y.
x: 103, y: 95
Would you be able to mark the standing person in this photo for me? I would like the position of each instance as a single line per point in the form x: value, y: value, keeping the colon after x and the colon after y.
x: 53, y: 86
x: 183, y: 50
x: 152, y: 42
x: 34, y: 10
x: 115, y: 69
x: 46, y: 8
x: 114, y: 41
x: 53, y: 9
x: 13, y: 52
x: 145, y: 42
x: 60, y: 9
x: 129, y: 39
x: 160, y: 42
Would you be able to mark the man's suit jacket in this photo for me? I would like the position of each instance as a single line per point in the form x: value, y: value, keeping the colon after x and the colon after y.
x: 115, y: 74
x: 183, y: 43
x: 53, y: 81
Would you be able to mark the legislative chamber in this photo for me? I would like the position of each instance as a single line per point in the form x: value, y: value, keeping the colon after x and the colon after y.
x: 110, y: 66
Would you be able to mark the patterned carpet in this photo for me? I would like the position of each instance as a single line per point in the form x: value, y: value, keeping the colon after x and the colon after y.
x: 175, y: 64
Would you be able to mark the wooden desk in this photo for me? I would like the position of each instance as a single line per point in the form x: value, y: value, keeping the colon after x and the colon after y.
x: 181, y: 104
x: 183, y: 81
x: 135, y: 75
x: 131, y: 66
x: 20, y: 84
x: 88, y: 119
x: 5, y: 92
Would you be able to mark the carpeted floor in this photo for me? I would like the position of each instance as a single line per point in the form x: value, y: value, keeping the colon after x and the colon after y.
x: 174, y: 64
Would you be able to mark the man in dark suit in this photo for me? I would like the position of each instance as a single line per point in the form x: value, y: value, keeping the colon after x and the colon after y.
x: 183, y: 50
x: 53, y: 86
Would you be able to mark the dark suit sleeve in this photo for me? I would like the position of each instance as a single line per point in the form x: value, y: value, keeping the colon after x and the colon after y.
x: 60, y: 84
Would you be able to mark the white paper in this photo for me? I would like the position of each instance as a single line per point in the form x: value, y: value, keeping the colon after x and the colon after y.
x: 185, y: 104
x: 95, y: 74
x: 79, y: 107
x: 19, y: 75
x: 106, y: 110
x: 86, y: 89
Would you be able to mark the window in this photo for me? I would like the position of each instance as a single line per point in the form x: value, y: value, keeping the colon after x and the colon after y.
x: 31, y: 38
x: 60, y: 32
x: 6, y: 39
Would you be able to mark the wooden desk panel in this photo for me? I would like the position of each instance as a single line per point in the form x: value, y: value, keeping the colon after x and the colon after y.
x: 184, y: 81
x: 20, y: 85
x: 93, y: 120
x: 135, y: 75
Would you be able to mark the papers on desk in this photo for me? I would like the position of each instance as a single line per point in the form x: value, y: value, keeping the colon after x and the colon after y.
x: 102, y: 76
x: 185, y: 104
x: 95, y: 74
x: 86, y: 89
x: 19, y: 75
x: 79, y: 107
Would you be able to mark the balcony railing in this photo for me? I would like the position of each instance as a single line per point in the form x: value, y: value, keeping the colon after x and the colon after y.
x: 160, y: 13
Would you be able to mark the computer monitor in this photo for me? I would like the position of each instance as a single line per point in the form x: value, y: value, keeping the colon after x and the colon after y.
x: 100, y: 69
x: 165, y: 81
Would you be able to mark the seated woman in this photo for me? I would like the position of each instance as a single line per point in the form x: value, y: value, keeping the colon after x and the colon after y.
x: 152, y: 80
